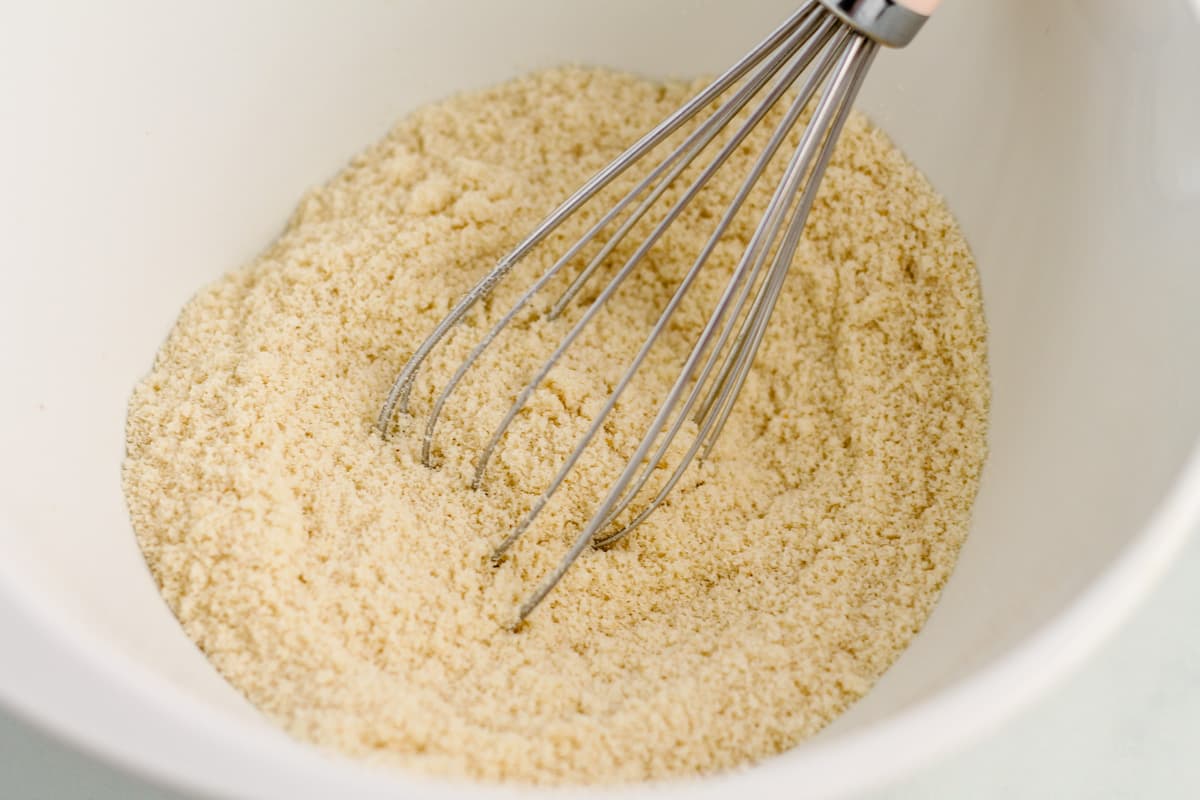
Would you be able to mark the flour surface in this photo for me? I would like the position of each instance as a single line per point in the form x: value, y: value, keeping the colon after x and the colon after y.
x: 345, y: 589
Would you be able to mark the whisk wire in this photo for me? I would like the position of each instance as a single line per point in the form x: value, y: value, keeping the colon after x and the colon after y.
x: 848, y: 80
x: 752, y: 260
x: 711, y: 128
x: 398, y: 395
x: 618, y: 278
x: 832, y: 45
x: 739, y: 359
x: 677, y: 161
x: 729, y: 147
x: 789, y: 189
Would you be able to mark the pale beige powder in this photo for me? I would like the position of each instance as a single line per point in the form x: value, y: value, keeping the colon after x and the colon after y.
x: 345, y: 589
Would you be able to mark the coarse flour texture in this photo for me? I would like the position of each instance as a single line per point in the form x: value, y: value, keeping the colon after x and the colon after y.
x: 346, y: 590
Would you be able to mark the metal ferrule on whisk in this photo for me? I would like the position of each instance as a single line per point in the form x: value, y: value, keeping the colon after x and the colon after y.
x: 885, y: 21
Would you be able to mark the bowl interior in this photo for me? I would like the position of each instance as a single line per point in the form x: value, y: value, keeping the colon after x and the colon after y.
x: 153, y: 149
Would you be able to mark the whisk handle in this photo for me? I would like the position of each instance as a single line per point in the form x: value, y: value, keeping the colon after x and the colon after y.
x: 922, y: 7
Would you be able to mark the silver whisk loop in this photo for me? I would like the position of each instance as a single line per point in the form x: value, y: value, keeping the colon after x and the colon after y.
x: 753, y: 260
x: 660, y: 325
x: 615, y: 283
x: 834, y: 42
x: 772, y: 221
x: 740, y: 358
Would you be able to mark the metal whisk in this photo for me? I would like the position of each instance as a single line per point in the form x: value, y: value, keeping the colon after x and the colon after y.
x: 828, y: 43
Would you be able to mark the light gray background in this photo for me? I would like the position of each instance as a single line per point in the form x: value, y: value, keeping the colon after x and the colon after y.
x: 1126, y: 726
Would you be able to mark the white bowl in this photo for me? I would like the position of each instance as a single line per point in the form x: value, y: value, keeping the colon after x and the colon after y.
x: 148, y: 148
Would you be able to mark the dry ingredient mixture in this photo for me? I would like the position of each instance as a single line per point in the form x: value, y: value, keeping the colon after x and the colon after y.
x: 345, y: 589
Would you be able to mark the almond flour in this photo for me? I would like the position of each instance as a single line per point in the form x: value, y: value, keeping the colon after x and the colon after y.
x: 345, y: 589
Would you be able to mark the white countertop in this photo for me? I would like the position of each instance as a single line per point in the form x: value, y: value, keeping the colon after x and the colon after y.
x: 1126, y: 726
